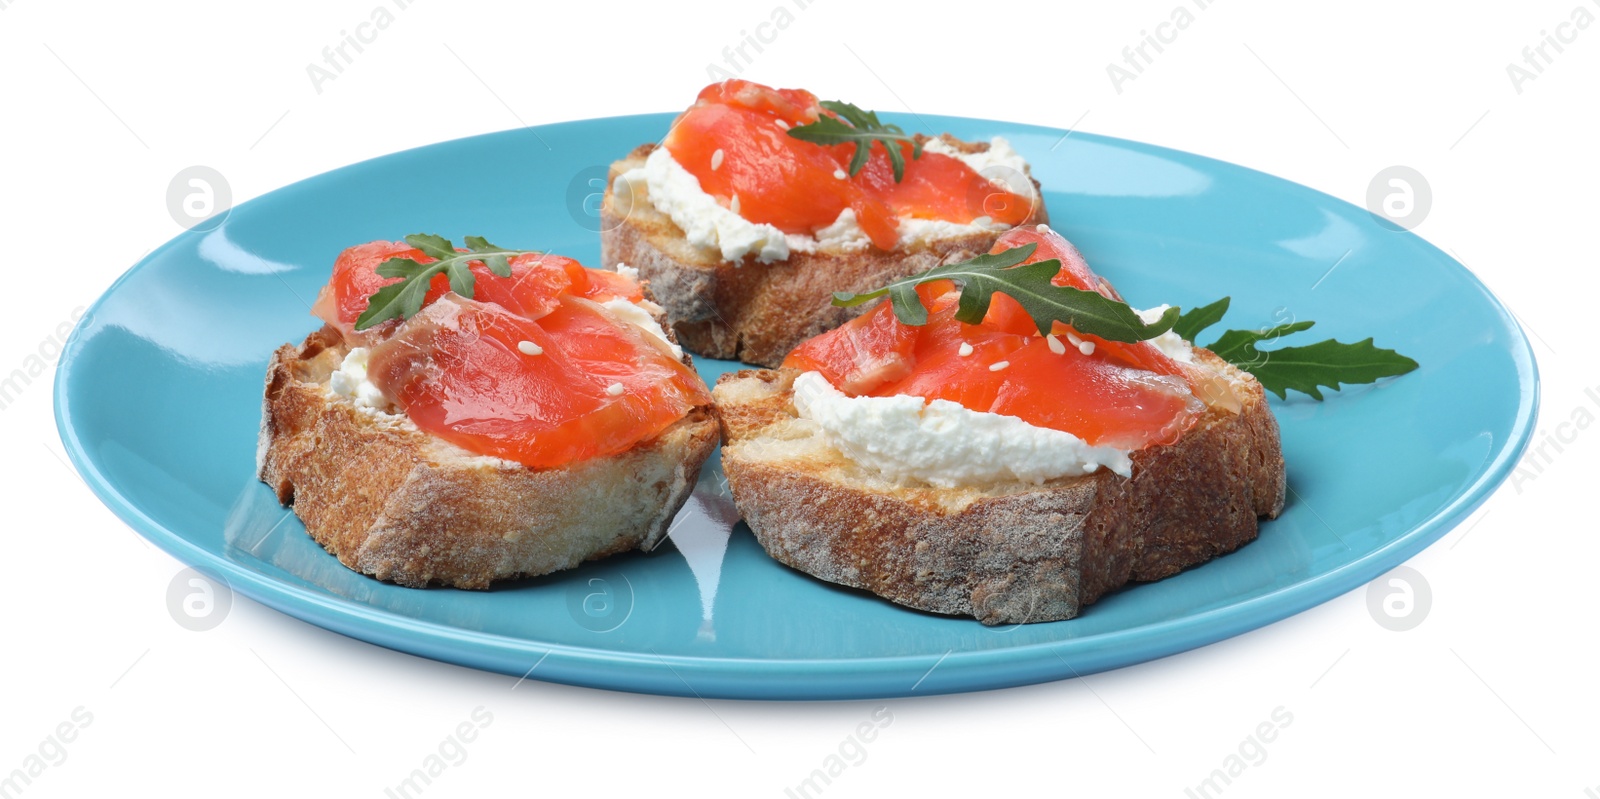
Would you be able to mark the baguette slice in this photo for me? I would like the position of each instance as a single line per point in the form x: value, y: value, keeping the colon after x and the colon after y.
x: 1006, y: 553
x: 399, y: 504
x: 750, y: 311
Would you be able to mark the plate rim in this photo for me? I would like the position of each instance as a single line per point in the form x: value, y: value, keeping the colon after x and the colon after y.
x: 795, y: 678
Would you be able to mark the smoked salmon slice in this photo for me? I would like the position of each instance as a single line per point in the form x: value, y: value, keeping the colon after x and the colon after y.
x: 1125, y: 395
x: 535, y: 283
x: 735, y: 141
x: 535, y: 369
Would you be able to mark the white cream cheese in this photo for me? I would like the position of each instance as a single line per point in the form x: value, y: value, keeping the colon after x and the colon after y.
x: 1171, y: 344
x: 705, y: 223
x: 843, y: 235
x: 1000, y: 164
x: 640, y: 316
x: 944, y: 444
x: 924, y: 231
x: 676, y: 192
x: 350, y: 381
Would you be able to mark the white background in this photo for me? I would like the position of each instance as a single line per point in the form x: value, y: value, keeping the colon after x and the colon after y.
x: 1493, y: 694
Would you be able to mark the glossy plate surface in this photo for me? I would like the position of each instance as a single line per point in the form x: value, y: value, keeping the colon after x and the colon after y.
x: 158, y: 399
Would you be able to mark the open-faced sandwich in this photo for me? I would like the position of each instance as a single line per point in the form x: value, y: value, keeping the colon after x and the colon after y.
x: 960, y: 451
x: 760, y: 203
x: 472, y: 415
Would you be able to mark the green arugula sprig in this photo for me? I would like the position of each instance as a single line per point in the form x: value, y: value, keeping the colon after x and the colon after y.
x: 1029, y: 284
x: 1197, y: 319
x: 403, y: 299
x: 860, y: 128
x: 1308, y: 368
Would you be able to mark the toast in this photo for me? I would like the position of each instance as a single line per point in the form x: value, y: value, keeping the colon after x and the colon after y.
x: 1011, y: 552
x: 751, y: 311
x: 402, y: 505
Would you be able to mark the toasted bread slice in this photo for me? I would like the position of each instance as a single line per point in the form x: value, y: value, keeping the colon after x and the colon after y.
x: 751, y: 311
x: 1005, y: 553
x: 399, y: 504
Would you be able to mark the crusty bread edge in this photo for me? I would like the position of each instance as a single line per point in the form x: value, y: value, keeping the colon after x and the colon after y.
x: 400, y: 505
x: 1016, y: 553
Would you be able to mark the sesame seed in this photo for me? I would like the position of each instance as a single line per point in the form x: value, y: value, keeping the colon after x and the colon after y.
x: 1055, y: 345
x: 530, y: 348
x: 781, y: 124
x: 998, y: 365
x: 734, y: 206
x: 965, y: 350
x: 840, y: 174
x: 1076, y: 342
x: 1087, y: 348
x: 615, y: 389
x: 716, y: 160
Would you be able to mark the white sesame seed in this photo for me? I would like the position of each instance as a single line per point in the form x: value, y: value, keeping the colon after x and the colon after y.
x: 615, y: 389
x: 1044, y: 228
x: 530, y: 348
x: 965, y: 350
x: 1087, y: 348
x: 998, y: 365
x: 781, y: 124
x: 734, y: 206
x: 1073, y: 338
x: 840, y: 174
x: 1055, y: 345
x: 716, y: 160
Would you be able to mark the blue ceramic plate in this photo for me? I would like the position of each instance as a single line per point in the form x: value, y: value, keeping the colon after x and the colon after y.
x: 158, y: 398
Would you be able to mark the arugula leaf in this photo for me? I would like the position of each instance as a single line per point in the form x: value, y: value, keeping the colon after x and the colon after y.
x: 403, y: 299
x: 1196, y: 320
x: 493, y: 257
x: 1029, y: 284
x: 432, y: 245
x: 860, y: 128
x: 1308, y: 368
x: 1238, y: 347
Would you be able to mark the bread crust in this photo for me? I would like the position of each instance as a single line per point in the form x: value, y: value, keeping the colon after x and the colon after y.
x: 750, y: 311
x: 1004, y: 554
x: 401, y: 505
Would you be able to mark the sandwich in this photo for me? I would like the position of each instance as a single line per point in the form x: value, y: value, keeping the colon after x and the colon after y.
x: 472, y: 415
x: 977, y: 445
x: 759, y: 203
